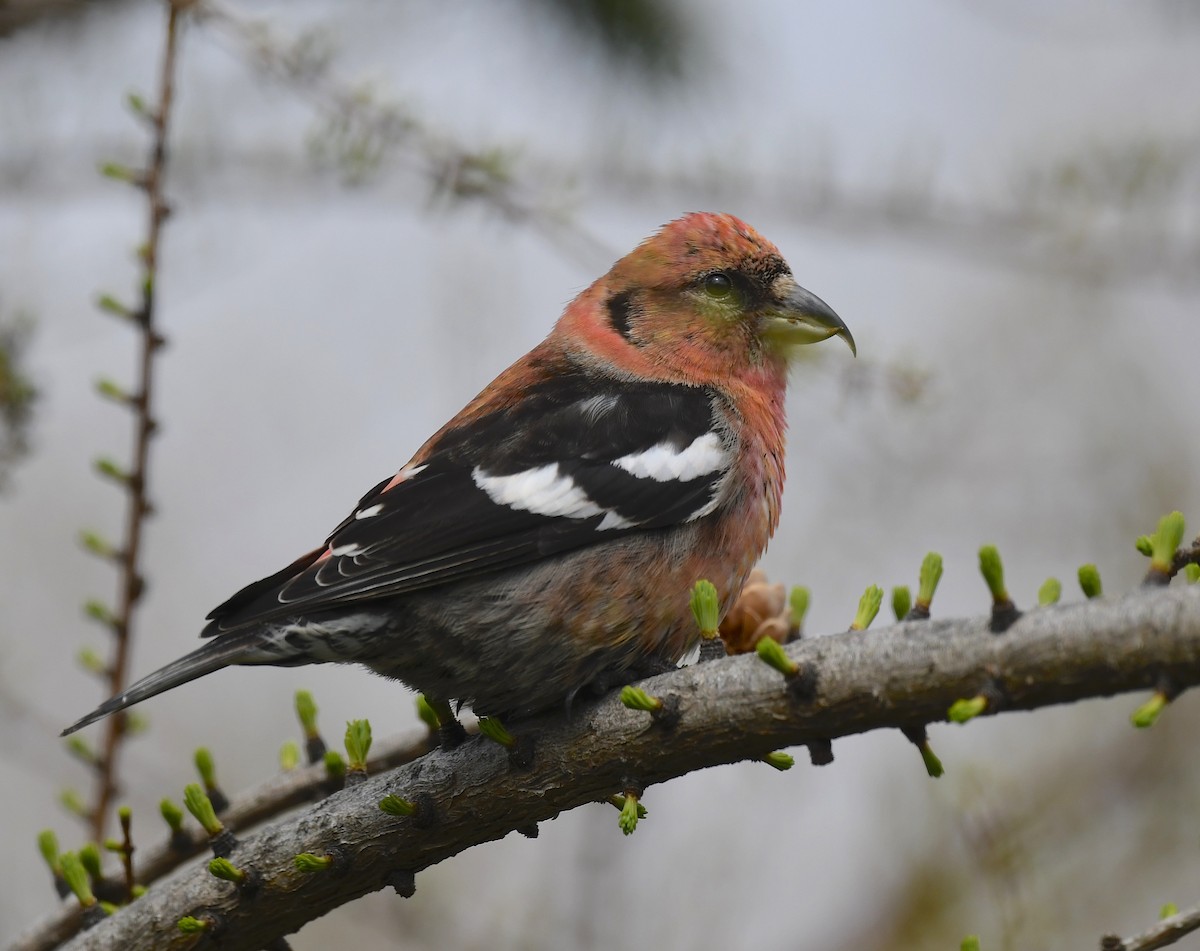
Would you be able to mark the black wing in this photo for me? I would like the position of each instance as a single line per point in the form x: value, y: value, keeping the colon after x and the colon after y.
x: 581, y: 459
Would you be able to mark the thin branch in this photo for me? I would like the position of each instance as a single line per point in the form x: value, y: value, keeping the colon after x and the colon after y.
x: 1008, y: 231
x: 17, y: 392
x: 1162, y: 935
x: 274, y: 797
x: 368, y: 128
x: 1186, y: 556
x: 131, y: 582
x: 268, y: 800
x: 731, y: 709
x: 1036, y: 228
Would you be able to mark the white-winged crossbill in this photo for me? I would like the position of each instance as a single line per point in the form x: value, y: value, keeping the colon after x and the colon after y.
x: 548, y: 536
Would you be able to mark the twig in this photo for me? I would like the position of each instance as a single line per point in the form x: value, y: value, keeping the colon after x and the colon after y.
x: 1163, y: 934
x: 17, y: 392
x: 376, y: 128
x: 270, y: 799
x: 1185, y: 557
x: 1025, y: 231
x: 127, y: 849
x: 731, y: 709
x: 264, y: 802
x: 131, y: 582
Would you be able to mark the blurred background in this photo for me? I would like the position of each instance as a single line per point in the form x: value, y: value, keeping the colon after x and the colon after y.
x: 379, y: 205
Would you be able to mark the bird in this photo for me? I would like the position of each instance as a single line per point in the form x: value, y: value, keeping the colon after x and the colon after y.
x: 546, y: 539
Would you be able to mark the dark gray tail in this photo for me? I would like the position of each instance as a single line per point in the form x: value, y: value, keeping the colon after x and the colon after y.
x: 231, y: 649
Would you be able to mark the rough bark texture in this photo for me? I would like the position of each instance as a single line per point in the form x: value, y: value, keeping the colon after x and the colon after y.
x: 730, y: 709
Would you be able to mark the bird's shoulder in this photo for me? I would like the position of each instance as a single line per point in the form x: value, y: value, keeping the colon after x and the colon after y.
x: 581, y: 457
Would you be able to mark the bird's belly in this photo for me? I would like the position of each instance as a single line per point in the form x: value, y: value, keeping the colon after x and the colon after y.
x: 523, y: 640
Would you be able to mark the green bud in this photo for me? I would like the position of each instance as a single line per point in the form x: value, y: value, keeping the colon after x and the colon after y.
x: 172, y: 814
x: 138, y: 891
x: 779, y: 760
x: 901, y: 602
x: 47, y: 843
x: 96, y: 545
x: 190, y: 925
x: 118, y: 172
x: 992, y: 570
x: 1166, y: 540
x: 619, y: 802
x: 76, y: 878
x: 306, y: 710
x: 1049, y: 592
x: 628, y: 819
x: 933, y: 765
x: 112, y: 391
x: 442, y: 711
x: 637, y: 699
x: 1148, y: 713
x: 358, y: 743
x: 970, y: 943
x: 494, y: 730
x: 124, y: 815
x: 706, y: 608
x: 136, y: 103
x: 1191, y: 572
x: 226, y: 871
x: 395, y: 806
x: 1169, y: 910
x: 99, y: 611
x: 78, y: 747
x: 335, y: 766
x: 110, y: 305
x: 205, y: 766
x: 1145, y: 545
x: 90, y: 661
x: 89, y: 858
x: 136, y: 722
x: 868, y: 608
x: 1089, y: 581
x: 114, y: 845
x: 427, y: 714
x: 931, y: 574
x: 798, y: 601
x: 201, y: 808
x: 963, y: 710
x: 289, y: 755
x: 70, y: 800
x: 307, y: 862
x: 110, y: 469
x: 773, y: 655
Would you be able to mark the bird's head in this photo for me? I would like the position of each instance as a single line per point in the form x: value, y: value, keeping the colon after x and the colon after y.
x: 704, y: 296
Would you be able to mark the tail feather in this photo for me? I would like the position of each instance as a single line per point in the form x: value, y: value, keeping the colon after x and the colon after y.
x: 232, y: 649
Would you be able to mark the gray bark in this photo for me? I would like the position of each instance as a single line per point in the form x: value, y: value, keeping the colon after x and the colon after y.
x: 730, y: 709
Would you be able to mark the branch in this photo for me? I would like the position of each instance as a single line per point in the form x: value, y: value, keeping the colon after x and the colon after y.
x: 264, y: 802
x: 17, y: 391
x: 1041, y: 225
x: 132, y: 584
x: 728, y: 710
x: 1163, y: 934
x: 363, y: 128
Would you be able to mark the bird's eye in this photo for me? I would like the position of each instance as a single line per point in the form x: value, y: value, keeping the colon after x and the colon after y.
x: 718, y: 285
